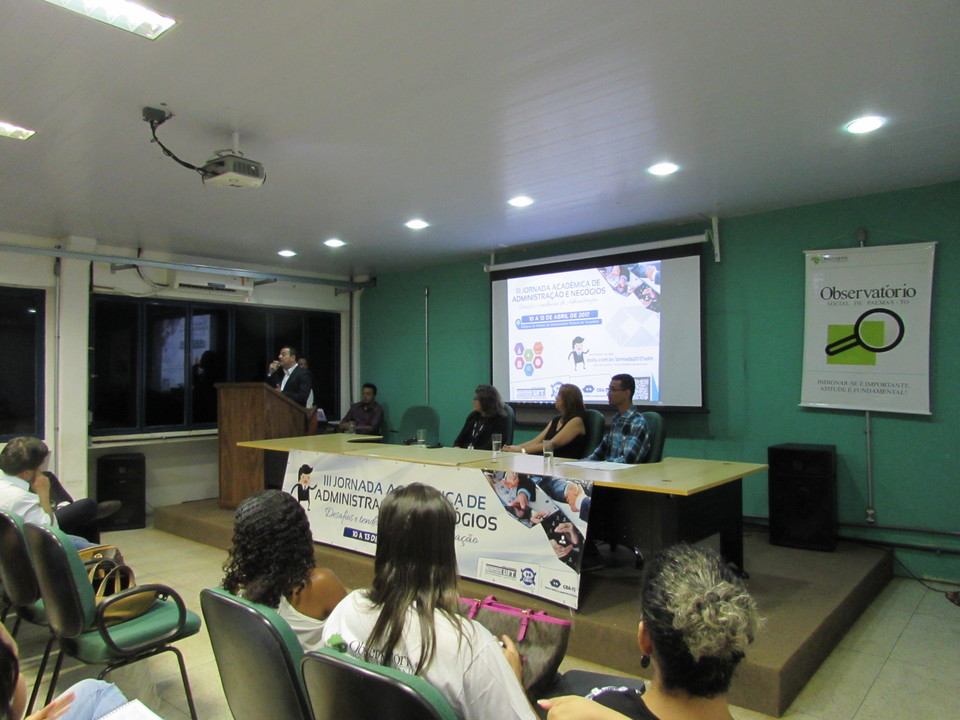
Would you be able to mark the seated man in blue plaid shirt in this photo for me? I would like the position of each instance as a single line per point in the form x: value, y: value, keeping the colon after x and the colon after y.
x: 628, y: 439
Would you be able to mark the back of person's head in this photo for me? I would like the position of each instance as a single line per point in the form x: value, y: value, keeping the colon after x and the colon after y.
x: 700, y: 619
x: 23, y: 453
x: 9, y: 680
x: 415, y: 567
x: 272, y: 550
x: 489, y: 399
x: 572, y: 401
x: 627, y: 382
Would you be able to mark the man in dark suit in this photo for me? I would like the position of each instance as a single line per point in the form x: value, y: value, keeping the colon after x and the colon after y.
x: 287, y: 376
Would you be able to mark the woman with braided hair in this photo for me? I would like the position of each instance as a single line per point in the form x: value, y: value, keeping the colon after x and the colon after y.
x: 271, y: 562
x: 696, y: 620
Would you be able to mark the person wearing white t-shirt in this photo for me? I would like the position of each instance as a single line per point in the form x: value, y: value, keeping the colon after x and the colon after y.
x: 409, y: 619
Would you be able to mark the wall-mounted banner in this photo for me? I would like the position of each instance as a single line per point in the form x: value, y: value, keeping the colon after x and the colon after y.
x: 519, y: 531
x: 866, y: 343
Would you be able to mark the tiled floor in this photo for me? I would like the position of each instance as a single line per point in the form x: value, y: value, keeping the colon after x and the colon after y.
x: 895, y: 663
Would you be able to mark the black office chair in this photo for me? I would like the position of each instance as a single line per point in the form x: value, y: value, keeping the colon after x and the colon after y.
x: 79, y: 624
x: 657, y: 436
x: 341, y: 686
x: 415, y: 418
x: 258, y: 657
x: 511, y: 423
x: 594, y: 427
x: 20, y: 586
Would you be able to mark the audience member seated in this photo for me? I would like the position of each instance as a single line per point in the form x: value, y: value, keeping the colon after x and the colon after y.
x: 696, y: 620
x: 628, y: 439
x: 271, y: 562
x: 87, y: 700
x: 487, y: 419
x: 568, y: 430
x: 410, y: 618
x: 25, y: 489
x: 366, y: 415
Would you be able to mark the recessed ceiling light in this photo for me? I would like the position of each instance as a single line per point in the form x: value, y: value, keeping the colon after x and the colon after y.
x: 865, y: 124
x: 520, y: 201
x: 12, y: 131
x: 417, y: 224
x: 664, y: 168
x: 121, y: 14
x: 287, y: 253
x: 334, y: 242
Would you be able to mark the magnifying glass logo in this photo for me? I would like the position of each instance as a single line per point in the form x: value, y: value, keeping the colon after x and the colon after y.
x: 856, y: 339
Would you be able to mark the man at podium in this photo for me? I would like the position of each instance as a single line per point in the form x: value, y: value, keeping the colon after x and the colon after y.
x: 289, y: 378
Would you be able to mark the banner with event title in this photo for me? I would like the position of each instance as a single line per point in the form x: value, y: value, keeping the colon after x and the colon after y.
x: 519, y: 531
x: 866, y: 339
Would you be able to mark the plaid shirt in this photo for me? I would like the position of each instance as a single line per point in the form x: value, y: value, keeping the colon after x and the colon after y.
x: 627, y: 440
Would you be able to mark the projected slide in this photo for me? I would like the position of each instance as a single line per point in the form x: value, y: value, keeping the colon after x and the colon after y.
x: 582, y: 326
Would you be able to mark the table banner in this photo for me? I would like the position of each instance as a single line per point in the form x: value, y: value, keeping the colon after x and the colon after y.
x: 516, y: 530
x: 866, y: 342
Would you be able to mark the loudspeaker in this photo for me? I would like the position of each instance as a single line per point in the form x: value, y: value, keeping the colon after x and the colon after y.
x: 123, y: 477
x: 802, y: 485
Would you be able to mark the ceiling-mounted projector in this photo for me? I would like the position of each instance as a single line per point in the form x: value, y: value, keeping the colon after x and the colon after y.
x: 227, y: 168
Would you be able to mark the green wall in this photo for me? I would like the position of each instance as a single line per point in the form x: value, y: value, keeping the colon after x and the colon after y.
x: 753, y: 340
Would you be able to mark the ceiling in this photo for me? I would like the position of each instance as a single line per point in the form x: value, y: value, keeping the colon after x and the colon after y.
x: 367, y: 113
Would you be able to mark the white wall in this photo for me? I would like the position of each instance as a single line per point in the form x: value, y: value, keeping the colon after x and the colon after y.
x: 178, y: 470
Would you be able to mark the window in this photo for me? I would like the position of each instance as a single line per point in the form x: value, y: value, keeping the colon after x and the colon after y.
x: 156, y: 363
x: 22, y: 363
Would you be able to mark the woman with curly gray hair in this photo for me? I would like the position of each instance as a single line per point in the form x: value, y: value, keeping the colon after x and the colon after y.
x: 696, y: 621
x: 271, y: 562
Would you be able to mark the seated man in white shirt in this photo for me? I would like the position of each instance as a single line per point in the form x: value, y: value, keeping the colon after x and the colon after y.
x: 25, y: 490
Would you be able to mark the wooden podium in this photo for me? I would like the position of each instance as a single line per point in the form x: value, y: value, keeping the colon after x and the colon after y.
x: 251, y: 411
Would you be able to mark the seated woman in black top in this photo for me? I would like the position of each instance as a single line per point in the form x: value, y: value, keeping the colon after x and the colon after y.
x: 696, y: 620
x: 568, y: 430
x: 488, y: 417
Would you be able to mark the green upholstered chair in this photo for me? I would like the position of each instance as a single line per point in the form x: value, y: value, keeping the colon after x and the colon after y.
x: 594, y: 426
x: 414, y: 418
x: 655, y: 423
x: 341, y: 686
x: 78, y: 622
x: 20, y: 586
x: 511, y: 423
x: 258, y: 656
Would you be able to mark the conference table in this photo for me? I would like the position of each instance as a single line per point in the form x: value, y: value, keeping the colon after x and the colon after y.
x: 644, y: 507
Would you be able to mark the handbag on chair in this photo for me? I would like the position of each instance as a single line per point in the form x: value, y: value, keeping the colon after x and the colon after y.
x: 114, y: 581
x: 541, y: 638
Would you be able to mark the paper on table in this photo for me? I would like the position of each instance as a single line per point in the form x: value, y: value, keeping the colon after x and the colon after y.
x: 598, y: 465
x: 132, y: 710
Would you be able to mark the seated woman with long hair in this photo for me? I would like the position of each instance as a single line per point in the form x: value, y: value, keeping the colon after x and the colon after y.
x: 568, y: 430
x: 488, y: 418
x: 410, y: 620
x: 697, y: 619
x: 271, y: 562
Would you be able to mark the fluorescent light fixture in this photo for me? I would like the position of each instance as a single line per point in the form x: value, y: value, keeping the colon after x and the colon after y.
x: 866, y: 124
x: 121, y: 14
x: 13, y: 131
x: 417, y: 224
x: 334, y: 242
x: 287, y: 253
x: 520, y: 201
x: 664, y: 168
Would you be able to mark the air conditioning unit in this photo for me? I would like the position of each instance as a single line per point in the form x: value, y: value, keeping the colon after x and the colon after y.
x: 211, y: 283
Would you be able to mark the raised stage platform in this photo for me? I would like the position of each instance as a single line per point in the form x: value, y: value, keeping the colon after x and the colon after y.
x: 809, y: 599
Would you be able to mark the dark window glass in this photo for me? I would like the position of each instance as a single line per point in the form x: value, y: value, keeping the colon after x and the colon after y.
x: 166, y: 364
x: 209, y: 352
x: 156, y: 363
x: 115, y: 363
x: 22, y: 362
x: 252, y: 347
